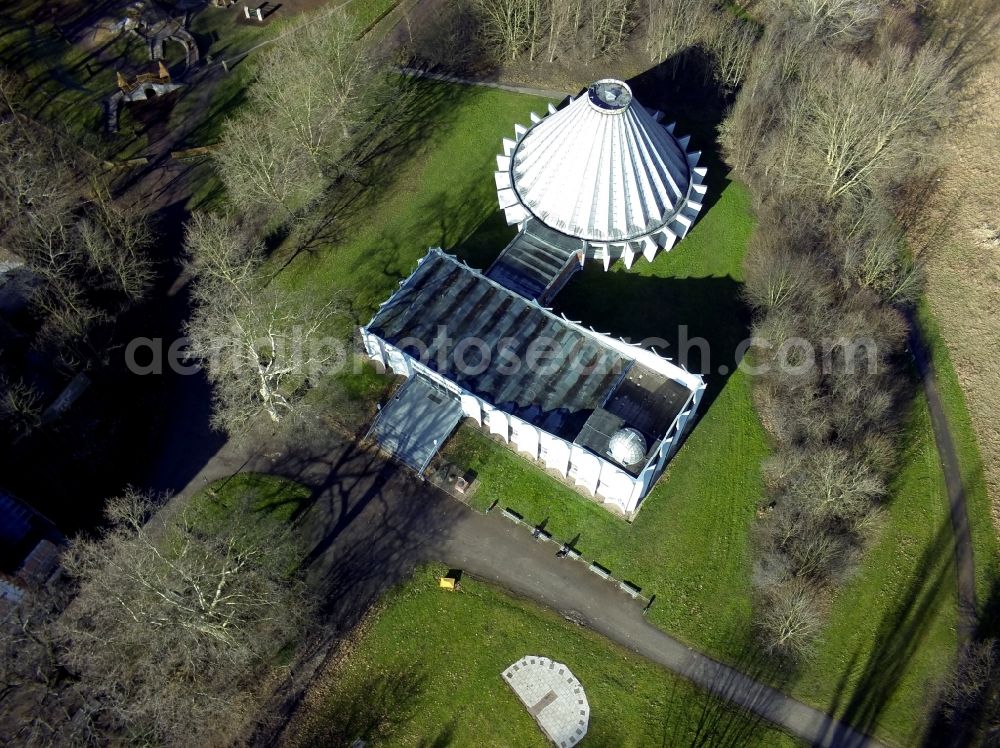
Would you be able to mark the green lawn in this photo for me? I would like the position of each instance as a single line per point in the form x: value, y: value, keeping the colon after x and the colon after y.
x: 442, y: 195
x: 276, y: 499
x: 427, y: 671
x: 890, y: 637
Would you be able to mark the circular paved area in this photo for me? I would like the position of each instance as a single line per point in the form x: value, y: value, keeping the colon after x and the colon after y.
x: 553, y: 696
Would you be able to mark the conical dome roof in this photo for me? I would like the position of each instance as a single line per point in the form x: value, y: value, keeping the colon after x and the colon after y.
x: 602, y: 169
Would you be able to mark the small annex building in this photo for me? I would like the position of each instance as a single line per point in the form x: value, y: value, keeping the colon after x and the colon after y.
x: 598, y: 179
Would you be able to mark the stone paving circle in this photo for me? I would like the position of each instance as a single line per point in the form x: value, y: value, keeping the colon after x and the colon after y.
x: 553, y: 696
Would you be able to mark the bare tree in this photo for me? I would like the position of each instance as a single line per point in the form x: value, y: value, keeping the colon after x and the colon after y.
x: 313, y: 95
x: 262, y: 168
x: 173, y: 628
x: 116, y: 242
x: 260, y: 348
x: 732, y: 41
x: 40, y: 703
x: 560, y: 25
x: 20, y: 406
x: 865, y: 122
x: 971, y: 699
x: 675, y: 25
x: 778, y: 273
x: 875, y: 255
x: 453, y: 38
x: 610, y: 23
x: 509, y: 25
x: 91, y: 254
x: 749, y: 134
x: 10, y: 88
x: 222, y: 254
x: 790, y: 618
x: 835, y: 22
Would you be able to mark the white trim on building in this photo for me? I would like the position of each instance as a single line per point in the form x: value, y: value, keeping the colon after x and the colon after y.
x: 595, y: 474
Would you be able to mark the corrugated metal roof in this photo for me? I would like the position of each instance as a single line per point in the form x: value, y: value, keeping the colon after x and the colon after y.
x: 557, y: 395
x: 602, y: 172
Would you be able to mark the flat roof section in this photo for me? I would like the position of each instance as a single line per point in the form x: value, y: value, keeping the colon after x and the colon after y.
x: 644, y: 400
x: 417, y: 421
x: 490, y: 333
x: 648, y: 401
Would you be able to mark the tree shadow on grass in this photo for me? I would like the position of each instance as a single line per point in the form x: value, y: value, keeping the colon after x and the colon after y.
x: 371, y: 710
x: 862, y: 701
x: 421, y: 113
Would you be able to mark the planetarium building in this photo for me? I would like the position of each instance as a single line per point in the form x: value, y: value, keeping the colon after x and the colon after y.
x: 599, y: 179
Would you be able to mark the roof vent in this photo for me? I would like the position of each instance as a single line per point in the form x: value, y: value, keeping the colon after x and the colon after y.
x: 609, y: 95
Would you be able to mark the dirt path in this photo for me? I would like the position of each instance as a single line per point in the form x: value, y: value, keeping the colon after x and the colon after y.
x: 557, y: 95
x: 372, y: 524
x: 965, y: 566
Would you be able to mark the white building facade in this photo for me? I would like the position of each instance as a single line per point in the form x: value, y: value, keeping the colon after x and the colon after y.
x: 618, y: 487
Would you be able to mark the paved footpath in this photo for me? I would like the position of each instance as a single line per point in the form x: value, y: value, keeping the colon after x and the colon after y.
x: 494, y: 549
x: 372, y: 523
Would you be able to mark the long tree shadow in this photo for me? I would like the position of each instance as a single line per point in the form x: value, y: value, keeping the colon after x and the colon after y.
x: 969, y: 717
x: 860, y: 701
x: 715, y: 719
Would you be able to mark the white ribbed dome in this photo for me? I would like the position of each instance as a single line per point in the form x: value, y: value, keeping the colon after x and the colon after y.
x: 602, y: 169
x: 627, y: 446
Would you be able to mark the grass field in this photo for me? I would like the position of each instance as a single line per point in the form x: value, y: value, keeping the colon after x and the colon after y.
x: 890, y: 638
x: 274, y: 498
x: 427, y: 671
x: 953, y: 397
x: 271, y: 503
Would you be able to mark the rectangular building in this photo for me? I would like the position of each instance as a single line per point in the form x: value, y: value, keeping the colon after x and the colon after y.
x: 559, y: 393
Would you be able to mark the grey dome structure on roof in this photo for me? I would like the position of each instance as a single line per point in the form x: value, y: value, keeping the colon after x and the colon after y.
x: 627, y: 446
x: 603, y: 170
